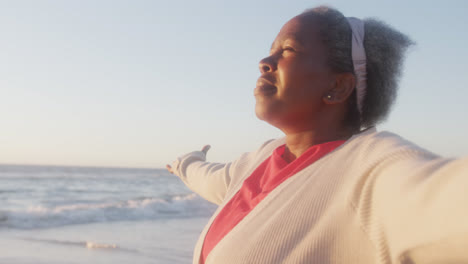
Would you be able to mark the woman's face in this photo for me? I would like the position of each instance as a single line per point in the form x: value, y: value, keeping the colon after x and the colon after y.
x: 295, y: 77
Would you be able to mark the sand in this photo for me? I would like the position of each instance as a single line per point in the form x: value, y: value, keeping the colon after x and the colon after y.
x: 168, y: 241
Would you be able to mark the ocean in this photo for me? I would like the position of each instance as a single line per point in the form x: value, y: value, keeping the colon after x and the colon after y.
x: 53, y: 214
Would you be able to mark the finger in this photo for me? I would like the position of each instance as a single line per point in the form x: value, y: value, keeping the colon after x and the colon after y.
x: 206, y: 148
x: 169, y: 168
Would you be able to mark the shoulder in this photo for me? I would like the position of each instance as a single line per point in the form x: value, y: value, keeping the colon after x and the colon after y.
x: 262, y: 152
x: 380, y: 144
x: 244, y: 166
x: 271, y: 145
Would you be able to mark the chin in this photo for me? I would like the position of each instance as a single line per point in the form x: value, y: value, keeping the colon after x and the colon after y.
x: 265, y: 113
x: 260, y: 112
x: 270, y: 111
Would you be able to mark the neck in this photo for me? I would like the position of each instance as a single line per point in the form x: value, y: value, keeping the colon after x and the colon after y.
x: 325, y: 126
x: 297, y: 143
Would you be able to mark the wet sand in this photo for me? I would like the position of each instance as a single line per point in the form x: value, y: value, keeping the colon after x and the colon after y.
x: 162, y: 241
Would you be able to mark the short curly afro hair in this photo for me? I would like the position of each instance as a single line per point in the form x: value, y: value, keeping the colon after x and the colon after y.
x: 385, y: 49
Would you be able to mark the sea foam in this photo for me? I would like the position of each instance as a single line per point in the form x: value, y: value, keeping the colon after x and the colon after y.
x: 149, y: 208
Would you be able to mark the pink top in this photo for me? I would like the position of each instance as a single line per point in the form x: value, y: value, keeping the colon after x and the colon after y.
x: 271, y: 173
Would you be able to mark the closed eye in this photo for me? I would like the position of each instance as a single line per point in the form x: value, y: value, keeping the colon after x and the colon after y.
x: 288, y: 48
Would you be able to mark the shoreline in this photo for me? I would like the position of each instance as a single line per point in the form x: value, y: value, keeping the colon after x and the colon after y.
x: 164, y: 241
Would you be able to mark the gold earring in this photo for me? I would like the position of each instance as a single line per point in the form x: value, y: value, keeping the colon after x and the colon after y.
x: 329, y: 97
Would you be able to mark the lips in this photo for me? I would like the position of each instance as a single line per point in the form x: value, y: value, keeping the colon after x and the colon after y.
x: 264, y: 88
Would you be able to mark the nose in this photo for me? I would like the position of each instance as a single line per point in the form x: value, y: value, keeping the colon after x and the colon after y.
x: 267, y: 64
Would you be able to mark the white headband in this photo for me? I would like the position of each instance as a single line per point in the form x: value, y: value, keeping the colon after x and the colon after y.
x: 359, y: 59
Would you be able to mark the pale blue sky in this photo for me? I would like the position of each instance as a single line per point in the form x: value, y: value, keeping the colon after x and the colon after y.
x: 137, y: 83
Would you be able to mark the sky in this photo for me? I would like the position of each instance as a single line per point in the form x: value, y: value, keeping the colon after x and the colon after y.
x: 138, y: 83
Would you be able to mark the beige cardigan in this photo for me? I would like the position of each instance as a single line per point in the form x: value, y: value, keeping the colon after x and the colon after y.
x: 376, y: 199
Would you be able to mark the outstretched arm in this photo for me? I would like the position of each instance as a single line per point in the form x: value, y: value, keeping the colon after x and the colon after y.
x: 209, y: 180
x: 414, y: 207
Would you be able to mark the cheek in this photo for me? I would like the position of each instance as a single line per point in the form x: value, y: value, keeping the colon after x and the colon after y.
x: 304, y: 79
x: 291, y: 76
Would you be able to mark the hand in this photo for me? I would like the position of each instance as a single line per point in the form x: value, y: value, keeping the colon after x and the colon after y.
x: 204, y: 150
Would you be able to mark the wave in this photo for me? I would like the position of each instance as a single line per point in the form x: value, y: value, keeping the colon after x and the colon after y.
x: 83, y: 244
x: 86, y: 244
x: 143, y: 208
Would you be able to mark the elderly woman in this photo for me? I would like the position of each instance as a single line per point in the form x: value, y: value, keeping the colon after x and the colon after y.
x: 333, y: 190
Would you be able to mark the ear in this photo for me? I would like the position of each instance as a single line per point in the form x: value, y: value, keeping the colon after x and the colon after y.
x: 341, y: 88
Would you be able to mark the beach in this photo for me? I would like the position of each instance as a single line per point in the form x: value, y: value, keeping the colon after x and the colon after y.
x: 97, y: 215
x: 160, y: 241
